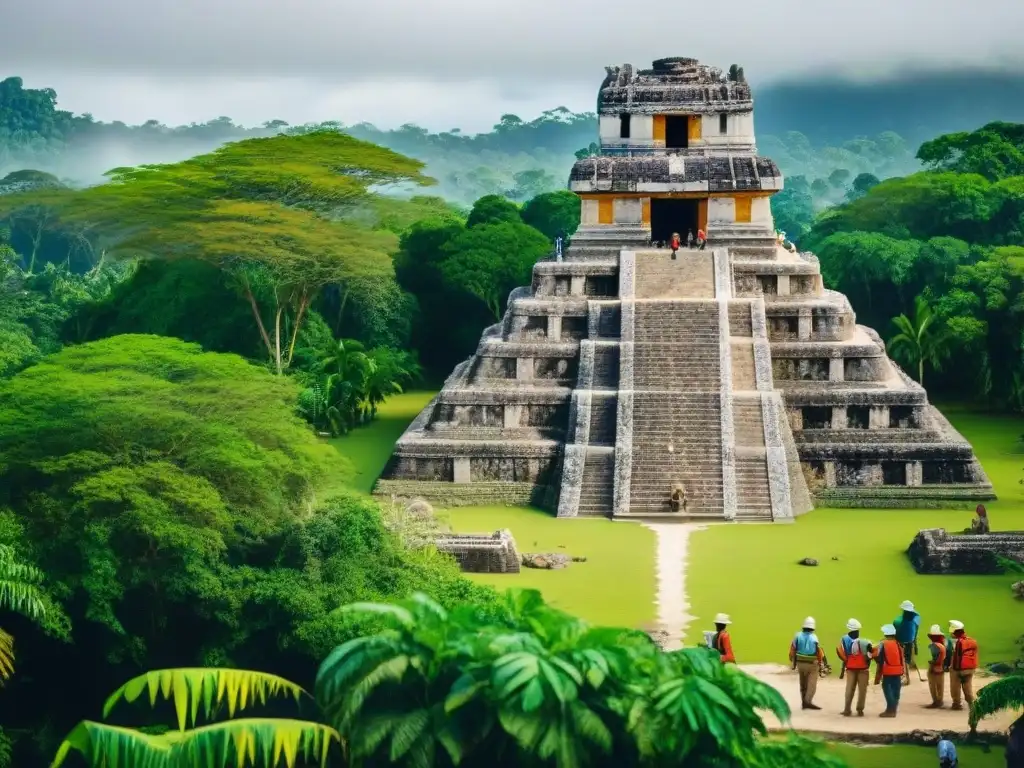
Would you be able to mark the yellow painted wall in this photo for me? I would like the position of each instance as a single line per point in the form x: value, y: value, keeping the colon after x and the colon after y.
x: 645, y: 211
x: 659, y: 128
x: 743, y: 206
x: 702, y: 215
x: 693, y: 127
x: 605, y: 210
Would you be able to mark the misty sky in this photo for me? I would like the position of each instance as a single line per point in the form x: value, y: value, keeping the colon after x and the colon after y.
x: 456, y: 63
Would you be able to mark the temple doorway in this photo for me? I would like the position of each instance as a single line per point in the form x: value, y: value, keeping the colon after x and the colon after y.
x: 677, y: 134
x: 670, y: 215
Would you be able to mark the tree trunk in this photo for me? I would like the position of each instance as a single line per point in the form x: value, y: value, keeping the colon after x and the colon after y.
x: 36, y: 240
x: 259, y: 320
x: 277, y: 339
x: 920, y: 370
x: 304, y: 302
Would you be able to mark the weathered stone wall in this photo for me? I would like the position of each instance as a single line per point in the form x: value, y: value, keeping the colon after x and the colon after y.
x: 481, y: 552
x: 936, y: 551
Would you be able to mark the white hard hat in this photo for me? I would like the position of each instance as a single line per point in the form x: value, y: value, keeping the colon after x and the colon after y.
x: 852, y: 624
x: 808, y: 623
x: 888, y: 629
x: 954, y: 625
x: 935, y: 630
x: 723, y: 618
x: 906, y: 605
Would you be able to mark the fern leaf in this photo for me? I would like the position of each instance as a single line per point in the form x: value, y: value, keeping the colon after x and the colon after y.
x: 6, y: 655
x: 1007, y: 693
x: 204, y: 689
x: 257, y: 742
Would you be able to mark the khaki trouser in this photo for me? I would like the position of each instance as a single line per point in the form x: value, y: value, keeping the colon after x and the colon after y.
x: 856, y: 681
x: 937, y: 686
x: 961, y: 680
x: 808, y: 671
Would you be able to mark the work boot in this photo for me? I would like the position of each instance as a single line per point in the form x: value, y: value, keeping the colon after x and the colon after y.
x: 934, y: 705
x: 957, y: 707
x: 811, y: 706
x: 860, y: 713
x: 846, y: 713
x: 888, y: 713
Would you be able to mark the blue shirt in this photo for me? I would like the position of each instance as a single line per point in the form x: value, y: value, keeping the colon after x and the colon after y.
x: 806, y: 643
x: 906, y: 630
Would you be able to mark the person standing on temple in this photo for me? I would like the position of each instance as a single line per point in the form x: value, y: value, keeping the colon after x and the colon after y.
x: 937, y: 667
x: 702, y: 239
x: 806, y: 656
x: 907, y: 626
x: 856, y: 657
x: 675, y: 243
x: 889, y: 667
x: 689, y: 239
x: 722, y: 642
x: 559, y: 240
x: 962, y: 665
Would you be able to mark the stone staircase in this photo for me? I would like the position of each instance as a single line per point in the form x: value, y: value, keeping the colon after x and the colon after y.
x: 672, y: 382
x: 596, y: 489
x: 753, y: 490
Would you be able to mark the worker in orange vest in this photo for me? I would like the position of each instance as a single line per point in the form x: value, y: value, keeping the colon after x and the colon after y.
x: 963, y: 663
x: 722, y: 642
x: 855, y: 654
x: 889, y: 666
x: 936, y: 666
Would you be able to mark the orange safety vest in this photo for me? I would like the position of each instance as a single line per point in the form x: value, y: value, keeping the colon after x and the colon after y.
x: 723, y: 644
x: 965, y: 654
x: 857, y: 659
x: 938, y: 665
x: 890, y: 656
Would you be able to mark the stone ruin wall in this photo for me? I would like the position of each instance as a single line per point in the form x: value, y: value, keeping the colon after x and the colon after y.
x: 481, y: 552
x: 934, y: 551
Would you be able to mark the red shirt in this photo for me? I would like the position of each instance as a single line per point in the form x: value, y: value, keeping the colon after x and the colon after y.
x: 675, y: 242
x: 700, y: 234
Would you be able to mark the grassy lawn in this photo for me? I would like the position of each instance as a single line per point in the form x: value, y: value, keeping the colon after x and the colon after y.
x: 615, y: 586
x: 905, y: 756
x: 751, y: 571
x: 368, y: 448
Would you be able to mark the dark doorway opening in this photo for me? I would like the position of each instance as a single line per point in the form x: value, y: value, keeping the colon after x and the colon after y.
x: 670, y: 215
x: 623, y: 126
x: 677, y: 132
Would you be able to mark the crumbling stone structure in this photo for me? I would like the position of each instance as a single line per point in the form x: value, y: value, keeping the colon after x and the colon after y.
x: 623, y: 370
x: 935, y: 551
x: 482, y: 552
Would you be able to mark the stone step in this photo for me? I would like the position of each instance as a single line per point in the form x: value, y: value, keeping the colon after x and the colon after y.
x: 603, y: 420
x: 744, y: 377
x: 739, y: 320
x: 606, y: 366
x: 597, y: 489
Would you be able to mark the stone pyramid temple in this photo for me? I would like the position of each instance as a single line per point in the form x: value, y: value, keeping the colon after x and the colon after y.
x: 622, y: 373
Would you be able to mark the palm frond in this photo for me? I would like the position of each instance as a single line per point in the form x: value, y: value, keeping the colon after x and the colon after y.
x: 19, y: 585
x: 207, y: 688
x: 264, y: 742
x: 1007, y: 693
x: 6, y: 655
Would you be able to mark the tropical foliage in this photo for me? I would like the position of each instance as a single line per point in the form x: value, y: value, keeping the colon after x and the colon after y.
x: 919, y: 340
x: 20, y: 591
x: 950, y: 235
x: 530, y: 686
x: 201, y: 694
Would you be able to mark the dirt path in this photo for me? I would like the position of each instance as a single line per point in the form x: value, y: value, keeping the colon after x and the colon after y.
x: 674, y: 617
x: 673, y: 604
x: 830, y: 697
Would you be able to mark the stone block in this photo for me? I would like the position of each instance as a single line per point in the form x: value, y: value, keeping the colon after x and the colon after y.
x: 936, y: 551
x: 512, y: 416
x: 524, y: 368
x: 481, y: 552
x: 836, y: 371
x: 461, y: 470
x: 554, y: 328
x: 577, y: 285
x: 782, y: 285
x: 878, y: 418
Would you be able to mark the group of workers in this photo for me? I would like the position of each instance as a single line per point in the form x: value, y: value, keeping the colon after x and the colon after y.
x: 955, y: 656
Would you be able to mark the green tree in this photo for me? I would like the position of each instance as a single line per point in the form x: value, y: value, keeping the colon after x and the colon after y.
x: 20, y: 591
x: 994, y: 151
x: 838, y: 178
x: 862, y: 184
x: 493, y: 209
x: 920, y: 339
x: 553, y: 212
x: 489, y: 260
x: 275, y: 214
